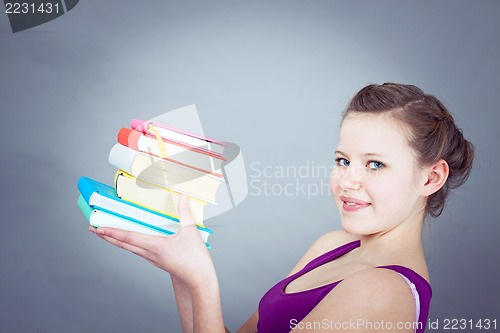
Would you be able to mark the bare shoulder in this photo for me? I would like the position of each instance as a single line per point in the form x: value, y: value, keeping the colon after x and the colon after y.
x: 323, y: 244
x: 376, y: 285
x: 331, y: 240
x: 371, y: 295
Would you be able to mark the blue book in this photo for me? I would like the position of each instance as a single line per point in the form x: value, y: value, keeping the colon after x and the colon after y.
x: 103, y: 208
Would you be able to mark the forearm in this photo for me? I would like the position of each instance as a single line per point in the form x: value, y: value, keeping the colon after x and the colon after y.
x: 200, y: 308
x: 184, y: 304
x: 207, y: 308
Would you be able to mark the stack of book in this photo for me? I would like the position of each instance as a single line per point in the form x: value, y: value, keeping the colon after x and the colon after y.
x: 155, y: 165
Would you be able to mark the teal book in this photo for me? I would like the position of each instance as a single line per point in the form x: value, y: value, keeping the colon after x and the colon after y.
x: 103, y: 208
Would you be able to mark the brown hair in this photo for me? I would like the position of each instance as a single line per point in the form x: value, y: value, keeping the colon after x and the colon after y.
x: 432, y: 132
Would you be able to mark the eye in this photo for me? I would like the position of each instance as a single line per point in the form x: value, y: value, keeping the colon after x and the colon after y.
x: 342, y: 162
x: 375, y: 165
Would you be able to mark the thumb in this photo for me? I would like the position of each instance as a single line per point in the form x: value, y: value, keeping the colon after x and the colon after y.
x: 185, y: 216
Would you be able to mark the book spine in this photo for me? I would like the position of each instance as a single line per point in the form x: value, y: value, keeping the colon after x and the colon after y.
x: 122, y: 157
x: 84, y: 207
x: 86, y: 189
x: 128, y: 137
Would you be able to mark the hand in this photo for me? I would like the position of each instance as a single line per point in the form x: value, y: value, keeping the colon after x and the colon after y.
x: 183, y: 255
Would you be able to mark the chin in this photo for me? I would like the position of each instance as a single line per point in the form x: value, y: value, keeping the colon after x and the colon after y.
x: 357, y: 227
x: 351, y: 229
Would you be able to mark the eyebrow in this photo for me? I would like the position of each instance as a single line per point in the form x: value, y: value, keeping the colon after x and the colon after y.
x: 367, y: 154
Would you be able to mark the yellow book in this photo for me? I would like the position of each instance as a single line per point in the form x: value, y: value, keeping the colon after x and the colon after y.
x: 155, y: 197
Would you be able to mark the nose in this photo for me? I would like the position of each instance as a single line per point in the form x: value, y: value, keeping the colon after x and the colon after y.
x: 351, y: 179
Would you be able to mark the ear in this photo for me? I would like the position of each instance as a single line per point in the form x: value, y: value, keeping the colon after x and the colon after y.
x: 437, y: 175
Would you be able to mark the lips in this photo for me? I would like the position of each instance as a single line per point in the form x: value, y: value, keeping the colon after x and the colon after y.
x: 353, y: 204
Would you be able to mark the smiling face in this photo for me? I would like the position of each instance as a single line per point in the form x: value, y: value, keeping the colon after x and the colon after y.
x: 376, y: 182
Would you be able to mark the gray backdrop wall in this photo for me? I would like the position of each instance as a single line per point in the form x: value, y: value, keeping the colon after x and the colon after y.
x: 272, y: 76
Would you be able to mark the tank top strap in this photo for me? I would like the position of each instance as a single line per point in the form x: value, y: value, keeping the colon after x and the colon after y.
x: 421, y: 292
x: 330, y: 255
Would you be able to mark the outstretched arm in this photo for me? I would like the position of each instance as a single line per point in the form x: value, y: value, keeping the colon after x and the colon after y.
x: 185, y: 256
x: 184, y: 304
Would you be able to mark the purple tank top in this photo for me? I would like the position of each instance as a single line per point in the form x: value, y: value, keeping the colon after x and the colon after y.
x: 277, y: 308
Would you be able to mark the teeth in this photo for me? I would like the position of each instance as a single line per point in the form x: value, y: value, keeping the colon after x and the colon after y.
x: 350, y: 204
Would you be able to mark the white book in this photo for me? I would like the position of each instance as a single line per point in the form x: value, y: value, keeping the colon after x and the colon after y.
x: 194, y: 183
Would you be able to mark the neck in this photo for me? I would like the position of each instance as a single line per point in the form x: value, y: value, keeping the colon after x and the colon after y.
x: 403, y: 241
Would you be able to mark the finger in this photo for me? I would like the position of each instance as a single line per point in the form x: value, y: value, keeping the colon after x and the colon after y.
x: 134, y: 239
x: 185, y: 216
x: 134, y: 249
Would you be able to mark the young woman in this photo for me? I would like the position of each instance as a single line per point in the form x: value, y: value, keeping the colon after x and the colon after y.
x: 399, y: 152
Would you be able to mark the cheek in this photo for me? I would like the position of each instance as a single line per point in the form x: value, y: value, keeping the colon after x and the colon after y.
x: 390, y: 192
x: 335, y: 176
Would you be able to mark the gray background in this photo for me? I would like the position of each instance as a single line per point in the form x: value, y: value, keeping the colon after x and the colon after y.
x: 272, y: 76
